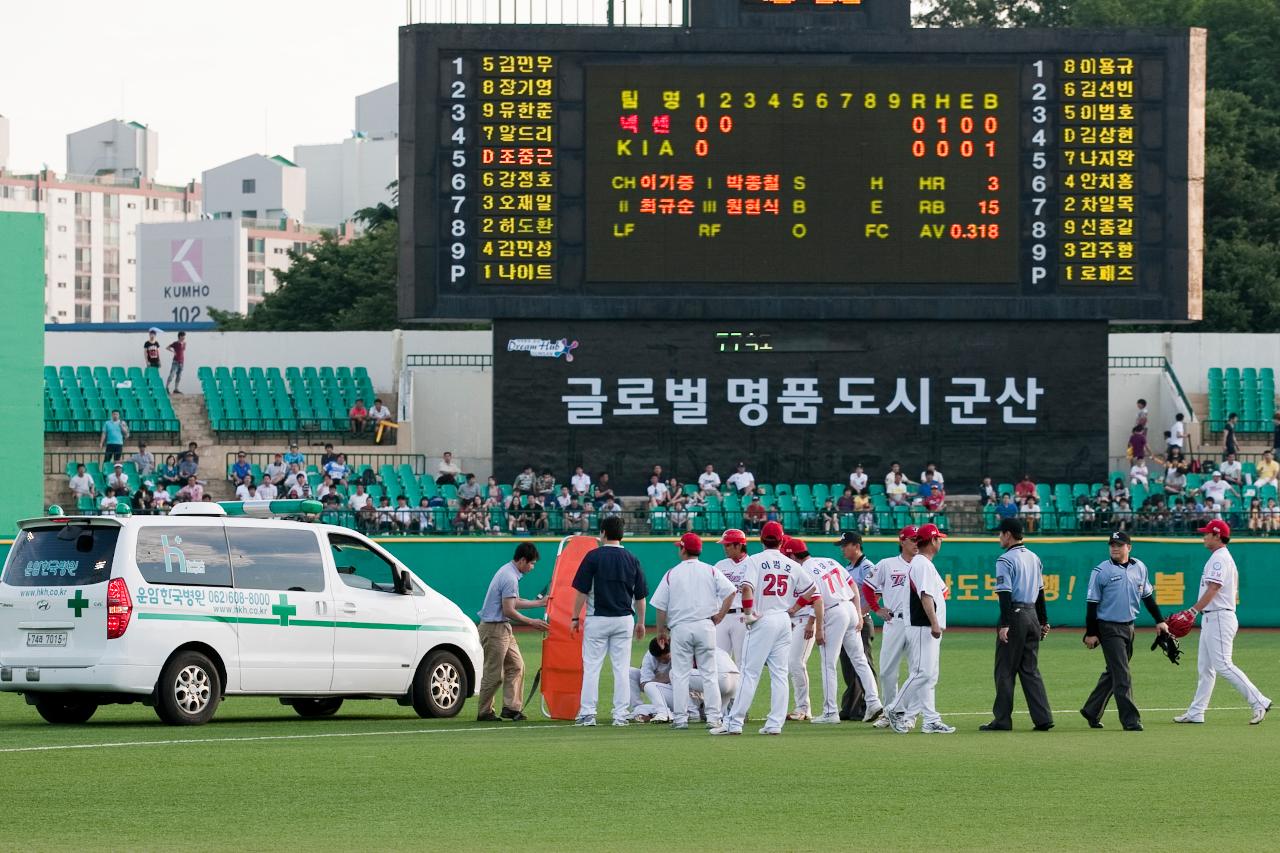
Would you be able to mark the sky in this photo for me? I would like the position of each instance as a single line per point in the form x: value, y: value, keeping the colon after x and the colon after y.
x: 217, y: 81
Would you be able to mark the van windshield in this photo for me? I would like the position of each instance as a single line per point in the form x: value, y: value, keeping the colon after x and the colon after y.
x: 62, y: 555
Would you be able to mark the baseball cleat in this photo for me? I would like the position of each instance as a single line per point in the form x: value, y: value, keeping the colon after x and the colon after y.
x: 882, y: 723
x: 717, y: 730
x: 585, y: 720
x: 680, y: 727
x: 798, y: 715
x: 768, y: 731
x: 827, y: 719
x: 938, y: 728
x: 1187, y: 718
x: 661, y: 718
x: 898, y: 722
x: 873, y: 712
x: 621, y: 723
x: 1259, y: 714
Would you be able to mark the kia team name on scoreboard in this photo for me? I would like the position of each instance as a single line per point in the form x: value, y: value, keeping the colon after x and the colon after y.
x: 594, y: 180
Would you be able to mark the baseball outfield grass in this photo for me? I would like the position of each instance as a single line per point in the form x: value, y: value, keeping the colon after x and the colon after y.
x: 376, y: 776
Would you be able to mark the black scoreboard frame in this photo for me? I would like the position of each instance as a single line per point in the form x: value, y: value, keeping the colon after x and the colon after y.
x: 1172, y: 294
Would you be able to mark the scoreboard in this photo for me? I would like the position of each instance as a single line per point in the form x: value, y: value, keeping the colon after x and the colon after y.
x: 565, y: 172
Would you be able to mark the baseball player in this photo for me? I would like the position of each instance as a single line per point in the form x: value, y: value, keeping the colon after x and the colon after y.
x: 802, y: 635
x: 888, y: 581
x: 732, y: 631
x: 853, y: 704
x: 1218, y: 585
x: 842, y: 627
x: 772, y: 586
x: 651, y: 695
x: 927, y: 612
x: 691, y: 599
x: 729, y: 678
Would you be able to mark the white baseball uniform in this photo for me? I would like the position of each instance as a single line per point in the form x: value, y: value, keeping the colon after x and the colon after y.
x: 918, y: 691
x: 1217, y: 637
x: 841, y: 627
x: 690, y: 594
x: 728, y: 674
x: 732, y: 630
x: 889, y: 578
x: 798, y: 661
x: 648, y: 695
x: 777, y: 581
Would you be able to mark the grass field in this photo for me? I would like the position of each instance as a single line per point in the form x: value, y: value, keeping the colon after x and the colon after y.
x: 376, y: 776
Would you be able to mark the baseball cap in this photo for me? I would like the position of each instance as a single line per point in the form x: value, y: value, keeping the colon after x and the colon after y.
x: 849, y: 537
x: 772, y: 530
x: 733, y: 536
x: 1217, y: 526
x: 929, y: 532
x: 691, y: 542
x: 1011, y: 525
x: 1119, y: 537
x: 908, y: 533
x: 794, y: 546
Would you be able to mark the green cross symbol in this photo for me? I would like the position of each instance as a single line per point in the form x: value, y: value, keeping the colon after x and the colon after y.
x: 284, y: 609
x: 78, y: 604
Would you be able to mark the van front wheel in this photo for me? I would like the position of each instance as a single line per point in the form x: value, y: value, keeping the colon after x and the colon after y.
x: 189, y: 690
x: 440, y: 685
x: 64, y: 710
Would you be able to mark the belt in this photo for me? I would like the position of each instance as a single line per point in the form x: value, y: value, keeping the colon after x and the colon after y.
x: 736, y: 610
x: 1024, y: 604
x: 1222, y: 610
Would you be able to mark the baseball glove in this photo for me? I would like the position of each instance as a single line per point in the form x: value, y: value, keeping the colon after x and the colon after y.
x: 1169, y: 644
x: 1181, y: 623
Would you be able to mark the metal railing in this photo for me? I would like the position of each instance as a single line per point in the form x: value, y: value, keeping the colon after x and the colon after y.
x: 355, y: 461
x: 1153, y: 362
x: 482, y: 361
x: 594, y: 13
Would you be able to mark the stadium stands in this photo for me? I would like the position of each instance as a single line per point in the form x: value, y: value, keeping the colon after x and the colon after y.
x: 1249, y: 392
x: 305, y: 400
x: 80, y: 399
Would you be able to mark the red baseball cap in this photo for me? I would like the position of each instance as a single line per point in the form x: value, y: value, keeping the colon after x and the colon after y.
x: 908, y: 533
x: 772, y: 530
x: 792, y: 546
x: 929, y: 532
x: 691, y: 542
x: 1217, y: 526
x: 733, y: 536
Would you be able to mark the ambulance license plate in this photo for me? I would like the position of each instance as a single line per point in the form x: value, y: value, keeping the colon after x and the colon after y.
x: 47, y: 638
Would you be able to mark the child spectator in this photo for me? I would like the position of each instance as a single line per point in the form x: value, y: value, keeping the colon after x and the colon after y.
x: 1138, y: 474
x: 107, y: 505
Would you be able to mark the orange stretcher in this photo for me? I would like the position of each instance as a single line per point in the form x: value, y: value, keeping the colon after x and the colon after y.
x: 561, y: 652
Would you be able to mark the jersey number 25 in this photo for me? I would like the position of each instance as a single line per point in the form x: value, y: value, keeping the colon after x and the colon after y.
x: 775, y: 585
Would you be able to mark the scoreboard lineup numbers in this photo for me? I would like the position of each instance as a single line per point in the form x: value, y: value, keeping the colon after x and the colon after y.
x: 876, y: 173
x: 499, y: 201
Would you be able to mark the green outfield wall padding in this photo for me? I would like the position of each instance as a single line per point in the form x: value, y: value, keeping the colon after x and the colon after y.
x: 22, y: 355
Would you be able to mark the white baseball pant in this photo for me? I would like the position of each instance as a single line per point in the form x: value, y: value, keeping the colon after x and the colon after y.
x: 687, y: 640
x: 838, y: 627
x: 1217, y: 639
x: 603, y: 635
x: 728, y: 682
x: 731, y: 633
x: 798, y: 664
x: 893, y: 649
x: 768, y: 644
x: 917, y: 693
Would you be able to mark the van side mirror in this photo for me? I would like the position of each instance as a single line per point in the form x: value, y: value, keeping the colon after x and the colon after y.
x: 406, y: 583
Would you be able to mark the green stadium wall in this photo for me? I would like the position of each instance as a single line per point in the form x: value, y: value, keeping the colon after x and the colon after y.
x: 22, y: 354
x: 461, y: 568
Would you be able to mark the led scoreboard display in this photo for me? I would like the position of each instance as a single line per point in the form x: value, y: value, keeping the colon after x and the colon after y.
x: 749, y: 173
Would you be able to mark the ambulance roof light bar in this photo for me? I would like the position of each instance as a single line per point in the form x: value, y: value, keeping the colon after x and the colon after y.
x: 270, y: 509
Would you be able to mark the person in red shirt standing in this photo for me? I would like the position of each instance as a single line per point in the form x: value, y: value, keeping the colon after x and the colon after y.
x: 179, y: 350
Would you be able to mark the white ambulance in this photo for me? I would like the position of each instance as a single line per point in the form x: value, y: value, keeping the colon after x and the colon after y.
x: 218, y: 600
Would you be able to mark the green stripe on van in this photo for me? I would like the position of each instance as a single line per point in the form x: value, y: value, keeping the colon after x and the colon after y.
x: 305, y: 623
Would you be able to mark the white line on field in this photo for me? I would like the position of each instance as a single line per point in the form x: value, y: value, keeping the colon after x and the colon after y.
x: 1077, y: 710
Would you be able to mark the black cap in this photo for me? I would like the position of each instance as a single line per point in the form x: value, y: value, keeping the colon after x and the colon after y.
x: 1011, y: 526
x: 849, y: 537
x: 1119, y: 537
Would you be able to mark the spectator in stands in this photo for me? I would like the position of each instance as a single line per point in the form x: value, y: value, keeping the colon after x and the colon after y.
x: 493, y: 493
x: 359, y: 499
x: 1232, y: 471
x: 82, y: 484
x: 1229, y: 445
x: 1275, y: 433
x: 470, y: 490
x: 179, y: 350
x: 107, y: 505
x: 1118, y: 490
x: 295, y: 457
x: 1217, y: 488
x: 610, y: 508
x: 894, y: 470
x: 932, y: 496
x: 1175, y: 480
x: 143, y: 460
x: 151, y: 349
x: 754, y: 515
x: 866, y: 513
x: 1137, y: 448
x: 774, y: 514
x: 143, y: 500
x: 830, y: 517
x: 603, y: 490
x: 246, y: 486
x: 325, y: 489
x: 1256, y: 520
x: 1026, y: 488
x: 378, y: 414
x: 657, y: 472
x: 517, y: 516
x: 987, y: 493
x: 846, y: 504
x: 160, y: 501
x: 240, y: 469
x: 328, y: 456
x: 1006, y: 508
x: 337, y: 469
x: 896, y: 491
x: 386, y: 515
x: 709, y: 481
x: 1143, y: 415
x: 1031, y: 514
x: 447, y: 470
x: 114, y: 432
x: 546, y: 486
x: 300, y: 489
x: 404, y: 518
x: 118, y: 480
x: 331, y: 499
x: 168, y: 472
x: 580, y: 483
x: 1177, y: 432
x: 742, y: 480
x: 295, y: 474
x: 537, y: 512
x: 1268, y: 469
x: 657, y: 492
x: 574, y: 519
x: 268, y: 491
x: 189, y: 464
x: 1086, y: 516
x: 276, y: 471
x: 1272, y: 516
x: 367, y: 517
x: 1102, y: 505
x: 678, y: 512
x: 932, y: 474
x: 1138, y: 473
x: 858, y: 480
x: 1178, y: 515
x: 674, y: 487
x: 425, y: 516
x: 564, y: 498
x: 524, y: 480
x: 358, y: 416
x: 192, y: 491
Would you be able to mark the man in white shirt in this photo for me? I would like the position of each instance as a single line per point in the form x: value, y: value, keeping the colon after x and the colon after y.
x: 359, y: 499
x: 1232, y: 471
x: 82, y: 484
x: 447, y: 470
x: 932, y: 474
x: 1218, y: 587
x: 651, y: 696
x: 242, y: 490
x: 709, y: 481
x: 275, y: 472
x: 742, y: 479
x: 1217, y: 488
x: 379, y: 412
x: 731, y: 632
x: 268, y: 491
x: 657, y: 492
x: 927, y: 614
x: 118, y: 481
x: 691, y: 599
x: 581, y: 482
x: 888, y: 580
x: 858, y: 479
x: 1178, y: 432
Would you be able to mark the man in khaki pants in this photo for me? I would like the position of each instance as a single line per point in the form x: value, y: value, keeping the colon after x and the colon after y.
x: 503, y: 664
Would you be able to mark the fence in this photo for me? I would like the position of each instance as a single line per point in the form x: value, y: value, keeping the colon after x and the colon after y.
x: 355, y: 461
x: 597, y: 13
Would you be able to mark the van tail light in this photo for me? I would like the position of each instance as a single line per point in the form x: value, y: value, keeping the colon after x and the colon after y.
x: 119, y: 608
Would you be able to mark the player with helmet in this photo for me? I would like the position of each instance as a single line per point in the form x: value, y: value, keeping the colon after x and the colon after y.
x: 1218, y: 585
x: 803, y: 629
x: 732, y: 630
x: 888, y: 582
x: 927, y: 614
x: 772, y: 584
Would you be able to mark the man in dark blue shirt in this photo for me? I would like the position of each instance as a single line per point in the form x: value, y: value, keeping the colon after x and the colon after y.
x: 612, y: 585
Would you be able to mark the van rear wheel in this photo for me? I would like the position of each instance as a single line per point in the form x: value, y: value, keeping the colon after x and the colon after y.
x: 64, y: 710
x: 316, y: 707
x: 440, y: 685
x: 189, y: 690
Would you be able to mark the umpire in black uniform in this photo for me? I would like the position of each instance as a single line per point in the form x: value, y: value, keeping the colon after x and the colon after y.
x: 853, y: 704
x: 1023, y: 624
